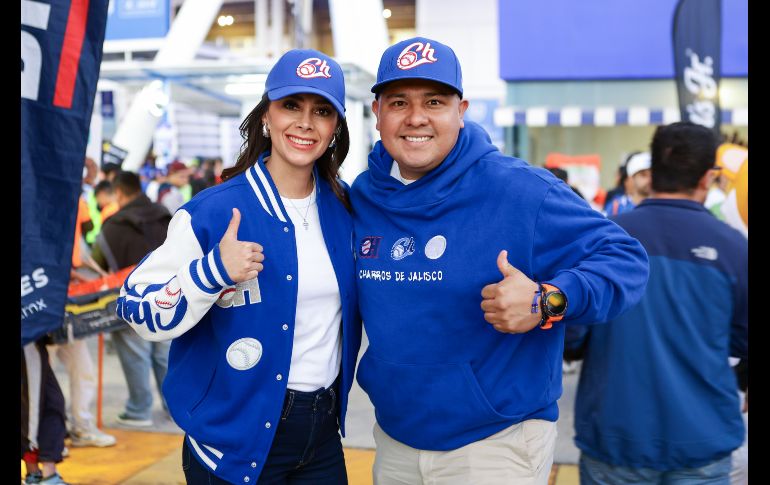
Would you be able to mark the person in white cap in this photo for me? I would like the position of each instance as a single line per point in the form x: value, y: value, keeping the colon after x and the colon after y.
x: 639, y: 183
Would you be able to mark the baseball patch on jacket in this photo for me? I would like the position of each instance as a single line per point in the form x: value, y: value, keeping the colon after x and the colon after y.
x: 402, y: 248
x: 244, y: 353
x: 169, y: 295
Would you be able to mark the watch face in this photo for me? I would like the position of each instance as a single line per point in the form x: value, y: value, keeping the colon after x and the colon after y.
x: 555, y: 302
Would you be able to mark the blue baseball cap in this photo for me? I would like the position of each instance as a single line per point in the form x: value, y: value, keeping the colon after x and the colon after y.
x: 307, y: 71
x: 419, y: 58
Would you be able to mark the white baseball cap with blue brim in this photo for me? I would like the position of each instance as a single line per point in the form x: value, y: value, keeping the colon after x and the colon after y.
x: 307, y: 71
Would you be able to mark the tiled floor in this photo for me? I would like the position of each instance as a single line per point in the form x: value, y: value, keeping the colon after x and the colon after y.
x: 154, y: 457
x: 149, y: 458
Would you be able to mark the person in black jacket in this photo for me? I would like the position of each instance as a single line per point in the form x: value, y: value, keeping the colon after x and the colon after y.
x: 137, y: 228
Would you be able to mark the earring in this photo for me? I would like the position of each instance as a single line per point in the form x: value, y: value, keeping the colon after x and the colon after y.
x: 265, y: 131
x: 337, y: 133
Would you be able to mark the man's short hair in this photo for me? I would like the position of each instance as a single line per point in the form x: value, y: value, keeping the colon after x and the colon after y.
x: 103, y: 186
x: 681, y: 153
x: 560, y: 174
x: 127, y: 182
x: 108, y: 167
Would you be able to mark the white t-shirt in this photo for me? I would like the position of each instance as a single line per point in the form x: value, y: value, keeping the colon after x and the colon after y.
x: 317, y: 348
x: 396, y: 174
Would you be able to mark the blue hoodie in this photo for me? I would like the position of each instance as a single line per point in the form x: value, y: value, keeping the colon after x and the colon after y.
x: 438, y: 374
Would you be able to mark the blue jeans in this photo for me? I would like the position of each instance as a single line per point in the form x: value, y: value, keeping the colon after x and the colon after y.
x: 137, y: 356
x: 595, y: 472
x: 306, y: 449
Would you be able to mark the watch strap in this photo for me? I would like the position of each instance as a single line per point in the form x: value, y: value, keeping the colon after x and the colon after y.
x: 546, y: 320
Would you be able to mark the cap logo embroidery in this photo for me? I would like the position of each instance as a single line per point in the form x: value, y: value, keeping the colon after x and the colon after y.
x: 307, y: 68
x: 408, y: 57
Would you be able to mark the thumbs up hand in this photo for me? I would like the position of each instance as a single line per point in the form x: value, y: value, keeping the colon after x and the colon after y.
x: 507, y: 305
x: 242, y: 260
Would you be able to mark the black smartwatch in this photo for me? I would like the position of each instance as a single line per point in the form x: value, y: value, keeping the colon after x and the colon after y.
x: 553, y: 305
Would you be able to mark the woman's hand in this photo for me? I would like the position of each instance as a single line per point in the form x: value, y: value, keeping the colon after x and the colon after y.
x: 242, y: 259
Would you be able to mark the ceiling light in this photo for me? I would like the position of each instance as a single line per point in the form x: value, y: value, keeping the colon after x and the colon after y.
x: 387, y: 13
x: 225, y: 20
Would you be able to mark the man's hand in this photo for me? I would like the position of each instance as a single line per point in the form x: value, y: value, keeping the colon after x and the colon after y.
x: 242, y: 260
x: 507, y: 305
x: 746, y: 402
x: 76, y: 277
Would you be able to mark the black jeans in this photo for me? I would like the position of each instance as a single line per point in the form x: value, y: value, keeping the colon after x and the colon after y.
x: 306, y: 449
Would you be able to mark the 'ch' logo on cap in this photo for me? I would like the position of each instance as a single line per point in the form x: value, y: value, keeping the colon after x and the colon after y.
x: 408, y: 58
x: 307, y: 68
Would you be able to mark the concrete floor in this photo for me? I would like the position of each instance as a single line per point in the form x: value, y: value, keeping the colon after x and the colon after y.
x: 163, y: 465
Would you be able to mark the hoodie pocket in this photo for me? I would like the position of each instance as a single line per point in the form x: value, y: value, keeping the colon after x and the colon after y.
x: 428, y: 406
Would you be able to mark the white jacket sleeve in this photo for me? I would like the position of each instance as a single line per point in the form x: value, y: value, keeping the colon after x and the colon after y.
x: 174, y: 286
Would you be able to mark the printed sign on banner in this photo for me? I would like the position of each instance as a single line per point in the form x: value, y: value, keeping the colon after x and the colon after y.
x: 61, y: 50
x: 697, y: 43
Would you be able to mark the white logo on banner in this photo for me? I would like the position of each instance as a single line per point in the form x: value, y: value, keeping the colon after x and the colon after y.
x: 699, y: 80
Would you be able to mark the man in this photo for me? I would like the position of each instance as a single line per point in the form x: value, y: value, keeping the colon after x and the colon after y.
x: 168, y: 190
x: 453, y: 241
x: 620, y: 183
x: 42, y: 416
x: 563, y: 175
x: 75, y: 354
x: 105, y: 200
x: 126, y: 237
x: 109, y: 171
x: 657, y: 400
x: 638, y: 181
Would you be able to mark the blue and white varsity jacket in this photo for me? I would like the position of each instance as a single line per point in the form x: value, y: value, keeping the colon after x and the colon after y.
x: 439, y: 375
x: 231, y: 350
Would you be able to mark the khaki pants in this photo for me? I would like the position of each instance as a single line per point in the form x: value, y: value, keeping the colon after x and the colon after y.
x: 520, y: 454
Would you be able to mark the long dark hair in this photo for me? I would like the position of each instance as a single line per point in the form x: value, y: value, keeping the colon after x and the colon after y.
x: 255, y: 143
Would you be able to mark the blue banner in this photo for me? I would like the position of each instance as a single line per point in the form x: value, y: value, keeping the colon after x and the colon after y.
x: 61, y: 50
x: 137, y: 19
x: 697, y: 42
x: 558, y: 40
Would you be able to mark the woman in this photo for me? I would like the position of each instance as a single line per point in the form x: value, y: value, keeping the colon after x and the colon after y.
x: 255, y: 284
